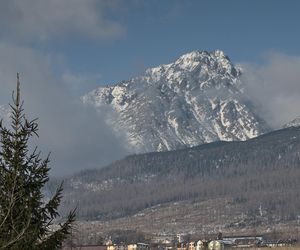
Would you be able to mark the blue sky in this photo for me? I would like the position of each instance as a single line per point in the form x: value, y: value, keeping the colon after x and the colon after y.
x: 159, y: 31
x: 65, y: 48
x: 137, y: 34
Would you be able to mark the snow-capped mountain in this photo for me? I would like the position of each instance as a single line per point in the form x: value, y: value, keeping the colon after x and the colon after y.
x: 194, y: 100
x: 293, y: 123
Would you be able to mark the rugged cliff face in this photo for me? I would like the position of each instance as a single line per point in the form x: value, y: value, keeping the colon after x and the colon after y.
x: 196, y: 99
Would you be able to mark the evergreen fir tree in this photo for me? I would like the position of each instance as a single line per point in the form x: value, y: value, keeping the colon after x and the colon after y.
x: 25, y: 217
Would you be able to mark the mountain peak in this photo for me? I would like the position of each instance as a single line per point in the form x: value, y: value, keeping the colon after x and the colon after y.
x: 193, y: 100
x: 201, y: 64
x: 219, y: 53
x: 199, y: 55
x: 213, y: 61
x: 204, y: 53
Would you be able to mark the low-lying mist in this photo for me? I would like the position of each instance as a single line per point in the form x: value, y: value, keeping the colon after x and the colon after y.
x: 76, y: 135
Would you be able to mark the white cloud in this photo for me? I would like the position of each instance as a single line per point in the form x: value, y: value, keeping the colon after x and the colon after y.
x: 275, y: 87
x: 81, y: 83
x: 76, y: 135
x: 45, y: 20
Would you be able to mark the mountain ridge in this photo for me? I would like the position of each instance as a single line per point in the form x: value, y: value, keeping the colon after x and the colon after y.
x: 196, y: 99
x: 293, y: 123
x: 256, y: 172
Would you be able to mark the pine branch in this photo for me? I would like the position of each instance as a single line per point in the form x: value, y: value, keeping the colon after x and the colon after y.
x: 55, y: 240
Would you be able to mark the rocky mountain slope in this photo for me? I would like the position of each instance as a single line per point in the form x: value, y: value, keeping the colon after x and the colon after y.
x: 196, y: 99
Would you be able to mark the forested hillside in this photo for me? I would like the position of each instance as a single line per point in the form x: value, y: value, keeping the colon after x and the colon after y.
x: 262, y: 174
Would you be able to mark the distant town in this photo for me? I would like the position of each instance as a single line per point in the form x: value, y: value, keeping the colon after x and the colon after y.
x: 184, y: 242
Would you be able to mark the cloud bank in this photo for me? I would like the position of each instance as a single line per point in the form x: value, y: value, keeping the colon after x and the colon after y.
x: 275, y: 87
x: 43, y: 20
x: 76, y: 135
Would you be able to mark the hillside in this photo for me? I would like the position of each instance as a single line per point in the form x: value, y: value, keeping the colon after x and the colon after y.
x: 261, y: 175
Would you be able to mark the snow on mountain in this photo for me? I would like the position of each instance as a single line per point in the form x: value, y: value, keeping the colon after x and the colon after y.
x: 194, y: 100
x: 293, y: 123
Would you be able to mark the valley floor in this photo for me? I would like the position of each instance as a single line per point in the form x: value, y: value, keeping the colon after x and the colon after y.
x: 200, y: 219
